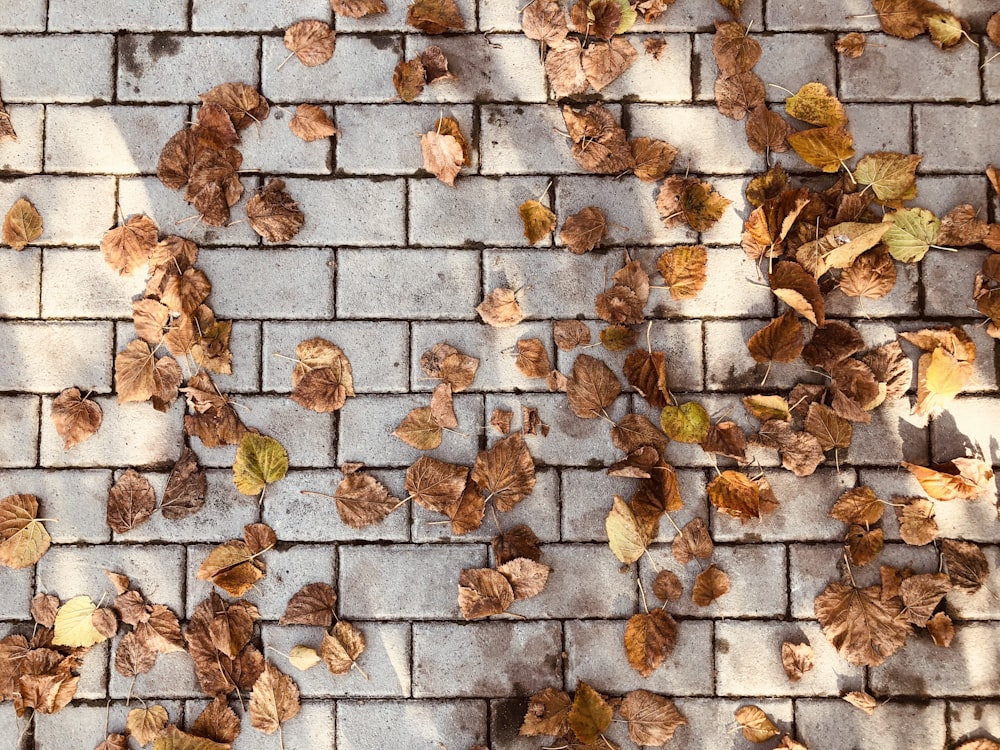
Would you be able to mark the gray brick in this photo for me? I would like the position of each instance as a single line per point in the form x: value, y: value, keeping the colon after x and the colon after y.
x: 45, y: 358
x: 393, y: 147
x: 485, y: 658
x: 386, y: 661
x: 313, y: 724
x: 608, y: 591
x: 942, y: 193
x: 701, y: 17
x: 308, y: 437
x: 404, y: 582
x: 627, y: 203
x: 667, y: 79
x: 65, y: 15
x: 75, y: 210
x: 259, y: 283
x: 786, y: 60
x: 883, y: 73
x: 77, y: 498
x: 241, y: 15
x: 19, y: 415
x: 484, y: 73
x: 378, y: 352
x: 58, y: 68
x: 748, y: 661
x: 902, y: 301
x: 595, y: 655
x: 571, y: 441
x: 156, y: 570
x: 20, y: 283
x: 966, y: 426
x: 367, y: 422
x: 990, y: 73
x: 416, y: 725
x: 540, y: 511
x: 348, y: 211
x: 273, y: 148
x: 792, y: 15
x: 16, y: 589
x: 981, y: 605
x: 879, y: 127
x: 395, y: 19
x: 80, y: 284
x: 83, y: 726
x: 970, y: 719
x: 360, y: 71
x: 814, y: 567
x: 802, y: 516
x: 711, y: 722
x: 948, y: 281
x: 830, y: 724
x: 493, y: 346
x: 130, y: 434
x: 506, y: 717
x: 408, y: 284
x: 26, y: 154
x: 93, y: 683
x: 943, y: 152
x: 893, y: 435
x: 22, y: 16
x: 173, y: 676
x: 307, y: 518
x: 708, y: 142
x: 728, y: 230
x: 288, y: 570
x: 147, y: 195
x: 178, y: 69
x: 730, y: 367
x: 754, y: 570
x: 494, y: 201
x: 225, y: 512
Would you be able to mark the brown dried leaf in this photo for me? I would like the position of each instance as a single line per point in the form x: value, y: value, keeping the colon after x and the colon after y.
x: 434, y: 16
x: 829, y: 429
x: 592, y: 387
x: 436, y: 485
x: 755, y: 724
x: 686, y: 200
x: 244, y: 105
x: 273, y: 214
x: 590, y: 715
x: 505, y: 472
x: 736, y: 495
x: 501, y: 308
x: 917, y: 525
x: 501, y: 420
x: 443, y: 407
x: 942, y: 632
x: 548, y: 714
x: 527, y: 577
x: 569, y: 334
x: 739, y: 94
x: 767, y: 131
x: 781, y: 340
x: 419, y: 430
x: 604, y: 62
x: 564, y: 69
x: 129, y: 246
x: 692, y: 542
x: 539, y: 221
x: 797, y: 659
x: 409, y: 79
x: 22, y: 224
x: 311, y: 123
x: 363, y: 501
x: 652, y: 719
x: 873, y: 275
x: 133, y: 657
x: 342, y: 646
x: 646, y: 372
x: 114, y: 742
x: 709, y: 585
x: 232, y: 567
x: 827, y: 148
x: 851, y: 45
x: 581, y: 233
x: 311, y: 605
x: 311, y: 41
x: 517, y: 541
x: 532, y: 358
x: 468, y: 511
x: 274, y: 700
x: 600, y: 144
x: 649, y: 639
x: 863, y: 545
x: 443, y: 155
x: 146, y: 723
x: 766, y: 408
x: 735, y: 51
x: 921, y: 595
x: 653, y: 158
x: 859, y: 505
x: 815, y: 105
x: 483, y: 592
x: 863, y: 628
x: 966, y: 564
x: 863, y: 701
x: 667, y: 586
x: 131, y: 502
x: 75, y: 417
x: 217, y: 722
x: 797, y: 288
x: 959, y: 479
x: 683, y: 270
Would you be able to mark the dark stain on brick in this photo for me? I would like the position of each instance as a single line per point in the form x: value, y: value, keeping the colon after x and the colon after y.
x: 164, y: 46
x: 508, y: 715
x: 722, y: 645
x: 126, y: 53
x: 385, y: 42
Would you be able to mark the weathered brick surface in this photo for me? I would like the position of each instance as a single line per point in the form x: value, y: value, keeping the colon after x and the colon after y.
x: 970, y: 719
x: 732, y: 368
x: 315, y: 723
x: 26, y: 154
x: 45, y: 358
x: 420, y: 725
x: 20, y: 417
x: 77, y: 498
x: 272, y: 147
x: 830, y: 723
x: 80, y: 284
x: 24, y: 15
x: 88, y: 725
x: 240, y: 15
x: 946, y: 153
x: 76, y: 68
x: 785, y: 15
x: 947, y: 277
x: 172, y: 677
x: 170, y: 15
x: 667, y: 79
x: 349, y: 212
x: 76, y: 210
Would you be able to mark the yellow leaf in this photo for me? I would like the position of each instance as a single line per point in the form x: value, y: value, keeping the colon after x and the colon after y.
x: 538, y: 220
x: 892, y: 176
x: 260, y: 460
x: 145, y: 723
x: 74, y: 626
x: 816, y: 105
x: 826, y: 148
x: 626, y: 537
x: 303, y: 657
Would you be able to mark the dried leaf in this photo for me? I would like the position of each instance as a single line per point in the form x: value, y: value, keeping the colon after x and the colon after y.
x: 419, y: 430
x: 767, y: 132
x: 851, y: 45
x: 590, y: 715
x: 527, y: 577
x: 797, y: 288
x: 436, y: 485
x: 244, y: 105
x: 942, y: 631
x: 6, y: 128
x: 766, y: 408
x: 274, y: 700
x: 604, y: 62
x: 342, y: 646
x: 434, y: 16
x: 564, y: 69
x: 260, y: 461
x: 667, y: 586
x: 709, y: 585
x: 739, y: 94
x: 921, y: 595
x: 863, y: 545
x: 781, y: 340
x: 816, y: 105
x: 311, y: 605
x: 826, y: 148
x: 892, y: 176
x: 443, y: 155
x: 692, y: 542
x: 129, y: 246
x: 548, y: 714
x: 132, y: 657
x: 363, y: 501
x: 653, y: 158
x: 863, y: 628
x: 862, y: 701
x: 311, y: 41
x: 186, y: 488
x: 358, y: 8
x: 569, y: 334
x: 483, y: 592
x: 686, y: 200
x: 501, y: 420
x: 736, y: 495
x: 683, y: 270
x: 131, y: 502
x: 734, y: 50
x: 146, y: 723
x: 532, y: 358
x: 756, y: 725
x: 23, y: 224
x: 544, y: 21
x: 233, y: 567
x: 592, y: 387
x: 686, y: 423
x: 600, y: 144
x: 517, y: 541
x: 217, y: 722
x: 582, y: 232
x: 311, y: 123
x: 114, y: 742
x: 505, y: 472
x: 873, y: 275
x: 859, y: 505
x: 797, y: 659
x: 501, y: 308
x: 76, y: 418
x: 627, y: 537
x: 273, y: 214
x: 961, y: 478
x: 409, y: 79
x: 966, y: 563
x: 74, y: 625
x: 917, y: 525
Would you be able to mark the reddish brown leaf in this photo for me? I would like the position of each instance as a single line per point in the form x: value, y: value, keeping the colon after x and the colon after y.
x: 592, y: 387
x: 649, y: 639
x: 311, y: 605
x: 505, y: 472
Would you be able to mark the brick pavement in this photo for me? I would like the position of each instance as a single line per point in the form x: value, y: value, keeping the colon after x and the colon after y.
x: 390, y: 262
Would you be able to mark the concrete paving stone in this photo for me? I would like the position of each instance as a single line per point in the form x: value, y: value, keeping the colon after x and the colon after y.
x: 504, y: 128
x: 802, y: 516
x: 359, y: 72
x: 20, y: 284
x: 540, y: 511
x: 949, y: 279
x: 756, y: 573
x: 629, y: 204
x: 313, y: 726
x: 85, y: 726
x: 242, y: 15
x: 452, y: 660
x: 813, y: 567
x: 366, y: 424
x: 79, y: 283
x: 26, y: 154
x: 595, y: 655
x: 793, y: 15
x: 378, y: 352
x: 155, y: 570
x: 173, y: 676
x: 667, y: 79
x: 990, y: 73
x: 701, y: 17
x: 416, y: 725
x: 941, y: 193
x: 966, y: 428
x: 308, y: 518
x: 22, y: 16
x: 787, y: 60
x: 16, y: 590
x: 510, y: 73
x: 384, y: 139
x: 880, y: 127
x: 506, y: 717
x: 288, y: 570
x: 93, y: 683
x: 728, y: 230
x: 981, y: 605
x: 20, y: 416
x: 225, y: 512
x: 47, y: 357
x: 972, y: 719
x: 273, y: 148
x: 386, y: 661
x: 345, y: 211
x: 405, y: 581
x: 438, y: 213
x: 130, y: 434
x: 164, y: 68
x: 587, y: 497
x: 902, y: 301
x: 943, y: 152
x: 711, y: 722
x: 147, y: 195
x: 731, y: 368
x: 893, y: 435
x: 748, y: 661
x: 67, y: 69
x: 964, y: 669
x: 496, y: 349
x: 408, y: 284
x: 65, y: 15
x: 709, y: 143
x: 395, y: 19
x: 831, y: 724
x: 267, y: 284
x: 75, y: 210
x: 884, y: 73
x: 76, y: 498
x: 571, y: 441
